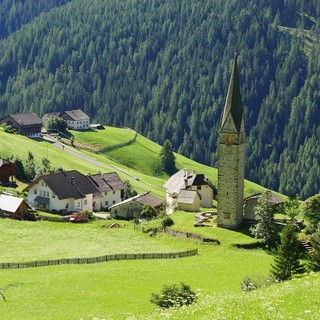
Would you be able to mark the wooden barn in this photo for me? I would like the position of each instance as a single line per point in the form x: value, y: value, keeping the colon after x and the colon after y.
x: 8, y: 171
x: 27, y: 124
x: 14, y: 207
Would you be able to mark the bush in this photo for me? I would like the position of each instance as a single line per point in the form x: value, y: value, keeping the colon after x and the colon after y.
x: 167, y: 222
x: 256, y: 282
x: 174, y: 296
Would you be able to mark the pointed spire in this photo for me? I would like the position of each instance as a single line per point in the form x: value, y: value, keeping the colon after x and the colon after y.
x: 233, y: 102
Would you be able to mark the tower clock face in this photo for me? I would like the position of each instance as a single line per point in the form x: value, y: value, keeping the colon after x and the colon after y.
x: 229, y: 139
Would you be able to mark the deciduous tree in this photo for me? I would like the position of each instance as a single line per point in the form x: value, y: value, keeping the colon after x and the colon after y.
x: 266, y: 228
x: 311, y: 211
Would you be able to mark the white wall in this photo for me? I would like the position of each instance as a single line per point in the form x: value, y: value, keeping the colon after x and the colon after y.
x: 78, y: 125
x: 54, y: 203
x: 109, y: 199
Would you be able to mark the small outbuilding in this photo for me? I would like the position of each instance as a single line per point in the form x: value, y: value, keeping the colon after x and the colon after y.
x: 8, y: 171
x: 189, y: 200
x: 251, y: 202
x: 15, y: 207
x: 131, y: 208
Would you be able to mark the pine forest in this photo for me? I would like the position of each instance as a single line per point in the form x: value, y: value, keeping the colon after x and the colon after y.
x: 162, y: 68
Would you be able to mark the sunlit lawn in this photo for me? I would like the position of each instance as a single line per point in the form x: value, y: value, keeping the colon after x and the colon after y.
x: 112, y: 290
x: 110, y: 136
x: 29, y: 241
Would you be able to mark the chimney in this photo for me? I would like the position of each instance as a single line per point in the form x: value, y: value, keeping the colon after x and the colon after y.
x: 185, y: 172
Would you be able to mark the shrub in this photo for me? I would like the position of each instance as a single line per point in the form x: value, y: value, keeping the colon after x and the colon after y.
x: 174, y: 296
x: 256, y: 282
x: 167, y: 222
x: 148, y: 212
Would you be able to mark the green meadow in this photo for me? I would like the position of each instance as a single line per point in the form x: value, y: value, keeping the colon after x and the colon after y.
x: 122, y: 289
x: 115, y: 289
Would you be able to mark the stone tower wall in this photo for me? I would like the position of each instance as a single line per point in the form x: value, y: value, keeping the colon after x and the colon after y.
x: 231, y: 155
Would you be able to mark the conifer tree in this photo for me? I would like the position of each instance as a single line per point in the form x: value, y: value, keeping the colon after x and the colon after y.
x: 30, y: 167
x: 167, y: 158
x: 286, y: 261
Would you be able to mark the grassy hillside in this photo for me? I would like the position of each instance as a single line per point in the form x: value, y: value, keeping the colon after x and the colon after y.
x: 137, y: 161
x: 142, y: 156
x: 122, y: 289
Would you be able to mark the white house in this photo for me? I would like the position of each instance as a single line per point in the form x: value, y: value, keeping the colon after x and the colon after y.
x: 76, y: 119
x: 63, y: 191
x: 185, y: 180
x: 111, y: 190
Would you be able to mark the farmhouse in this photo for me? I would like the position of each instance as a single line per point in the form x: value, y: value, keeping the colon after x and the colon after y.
x: 8, y: 171
x: 76, y: 119
x: 63, y: 191
x: 15, y: 207
x: 131, y: 208
x: 28, y: 124
x: 251, y: 202
x: 184, y: 181
x: 111, y: 190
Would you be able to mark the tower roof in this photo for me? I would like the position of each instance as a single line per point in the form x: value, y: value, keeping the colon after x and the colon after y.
x: 233, y: 106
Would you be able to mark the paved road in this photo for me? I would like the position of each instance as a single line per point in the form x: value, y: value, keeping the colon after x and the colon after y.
x: 91, y: 160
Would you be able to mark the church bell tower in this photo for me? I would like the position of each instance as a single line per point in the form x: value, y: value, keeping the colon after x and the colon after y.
x: 231, y: 157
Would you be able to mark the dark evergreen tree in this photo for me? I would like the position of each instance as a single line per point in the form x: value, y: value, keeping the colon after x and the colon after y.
x: 129, y: 192
x: 30, y: 167
x: 45, y: 167
x: 167, y: 158
x: 291, y: 207
x: 286, y: 261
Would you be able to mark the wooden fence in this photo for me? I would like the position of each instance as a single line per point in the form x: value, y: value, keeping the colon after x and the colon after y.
x: 111, y: 257
x: 182, y: 234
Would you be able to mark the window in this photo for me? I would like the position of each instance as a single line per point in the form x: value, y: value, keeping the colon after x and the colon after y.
x: 85, y: 202
x: 106, y: 203
x: 113, y: 192
x: 67, y: 206
x: 227, y: 216
x: 198, y: 187
x: 53, y: 196
x: 106, y: 193
x: 35, y: 191
x: 114, y: 202
x: 78, y: 204
x: 47, y: 194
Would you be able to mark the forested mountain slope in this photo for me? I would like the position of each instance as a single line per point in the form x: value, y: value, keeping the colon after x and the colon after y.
x: 163, y: 67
